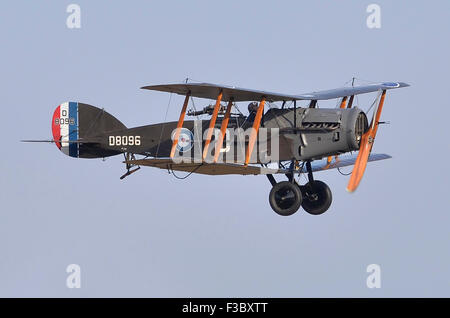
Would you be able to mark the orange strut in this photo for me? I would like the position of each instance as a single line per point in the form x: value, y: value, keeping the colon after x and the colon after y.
x: 223, y: 130
x: 212, y: 122
x: 344, y: 101
x: 179, y: 125
x: 255, y: 129
x: 350, y: 102
x: 378, y: 115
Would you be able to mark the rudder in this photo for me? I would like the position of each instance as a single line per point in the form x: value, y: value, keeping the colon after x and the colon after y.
x: 73, y: 122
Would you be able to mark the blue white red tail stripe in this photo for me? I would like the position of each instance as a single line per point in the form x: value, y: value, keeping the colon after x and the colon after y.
x: 73, y: 129
x: 65, y: 128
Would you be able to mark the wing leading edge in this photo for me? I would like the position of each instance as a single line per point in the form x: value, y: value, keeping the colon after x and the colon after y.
x: 211, y: 91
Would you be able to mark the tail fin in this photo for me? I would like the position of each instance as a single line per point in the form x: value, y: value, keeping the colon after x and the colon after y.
x: 75, y: 122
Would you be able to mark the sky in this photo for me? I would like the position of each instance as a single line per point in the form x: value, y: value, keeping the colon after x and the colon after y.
x: 152, y: 235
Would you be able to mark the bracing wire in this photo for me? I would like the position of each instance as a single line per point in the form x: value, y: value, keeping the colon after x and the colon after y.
x: 344, y: 174
x: 237, y: 108
x: 193, y: 105
x: 374, y: 102
x: 162, y: 130
x: 186, y: 176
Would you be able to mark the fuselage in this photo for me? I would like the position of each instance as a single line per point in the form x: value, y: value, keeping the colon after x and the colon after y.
x: 318, y: 133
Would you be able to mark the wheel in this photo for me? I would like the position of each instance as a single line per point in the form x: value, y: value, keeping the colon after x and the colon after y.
x: 285, y: 198
x: 316, y: 197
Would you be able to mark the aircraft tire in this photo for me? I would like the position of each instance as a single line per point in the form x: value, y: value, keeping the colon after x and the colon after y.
x: 317, y: 197
x: 285, y: 198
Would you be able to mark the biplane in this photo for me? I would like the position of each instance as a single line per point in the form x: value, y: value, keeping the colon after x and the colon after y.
x: 289, y: 140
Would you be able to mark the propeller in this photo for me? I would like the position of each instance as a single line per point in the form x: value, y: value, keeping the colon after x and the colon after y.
x: 365, y: 147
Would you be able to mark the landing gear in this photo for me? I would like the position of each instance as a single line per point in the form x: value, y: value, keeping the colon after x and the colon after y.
x: 316, y: 194
x: 316, y: 197
x: 285, y: 198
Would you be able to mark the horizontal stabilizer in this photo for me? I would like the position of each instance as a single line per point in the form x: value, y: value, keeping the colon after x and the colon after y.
x: 79, y: 141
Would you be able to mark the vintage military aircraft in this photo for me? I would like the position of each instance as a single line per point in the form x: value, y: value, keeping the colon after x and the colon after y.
x: 298, y: 137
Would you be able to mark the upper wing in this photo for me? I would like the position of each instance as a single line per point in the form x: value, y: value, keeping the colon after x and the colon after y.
x: 211, y: 91
x: 349, y: 91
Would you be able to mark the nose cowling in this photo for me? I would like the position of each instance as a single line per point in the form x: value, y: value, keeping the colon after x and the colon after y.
x: 361, y: 126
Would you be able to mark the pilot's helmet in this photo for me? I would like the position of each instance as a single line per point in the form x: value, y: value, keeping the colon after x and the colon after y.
x: 252, y: 107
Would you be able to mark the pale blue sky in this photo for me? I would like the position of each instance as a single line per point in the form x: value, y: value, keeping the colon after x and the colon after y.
x: 152, y: 235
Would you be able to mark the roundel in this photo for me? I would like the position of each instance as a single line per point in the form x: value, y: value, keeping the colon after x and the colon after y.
x: 185, y: 139
x: 390, y: 84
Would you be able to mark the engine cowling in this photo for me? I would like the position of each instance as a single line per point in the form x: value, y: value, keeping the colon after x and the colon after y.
x: 319, y: 132
x: 357, y: 126
x: 331, y: 132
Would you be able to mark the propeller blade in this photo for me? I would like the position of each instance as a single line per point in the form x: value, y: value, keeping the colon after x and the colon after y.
x: 365, y: 148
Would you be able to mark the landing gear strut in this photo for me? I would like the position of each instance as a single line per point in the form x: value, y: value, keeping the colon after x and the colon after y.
x: 129, y: 156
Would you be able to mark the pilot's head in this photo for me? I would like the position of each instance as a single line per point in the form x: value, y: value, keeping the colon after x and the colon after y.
x: 252, y: 107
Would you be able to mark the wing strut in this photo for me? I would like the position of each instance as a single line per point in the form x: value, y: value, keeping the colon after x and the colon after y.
x: 350, y: 102
x: 344, y: 101
x: 223, y: 130
x: 212, y: 122
x: 254, y: 132
x: 179, y: 125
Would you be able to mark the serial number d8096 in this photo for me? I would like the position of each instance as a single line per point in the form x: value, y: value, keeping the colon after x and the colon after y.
x: 124, y: 140
x: 65, y: 121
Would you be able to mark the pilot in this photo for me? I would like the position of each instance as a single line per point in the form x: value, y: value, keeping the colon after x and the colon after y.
x: 252, y: 108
